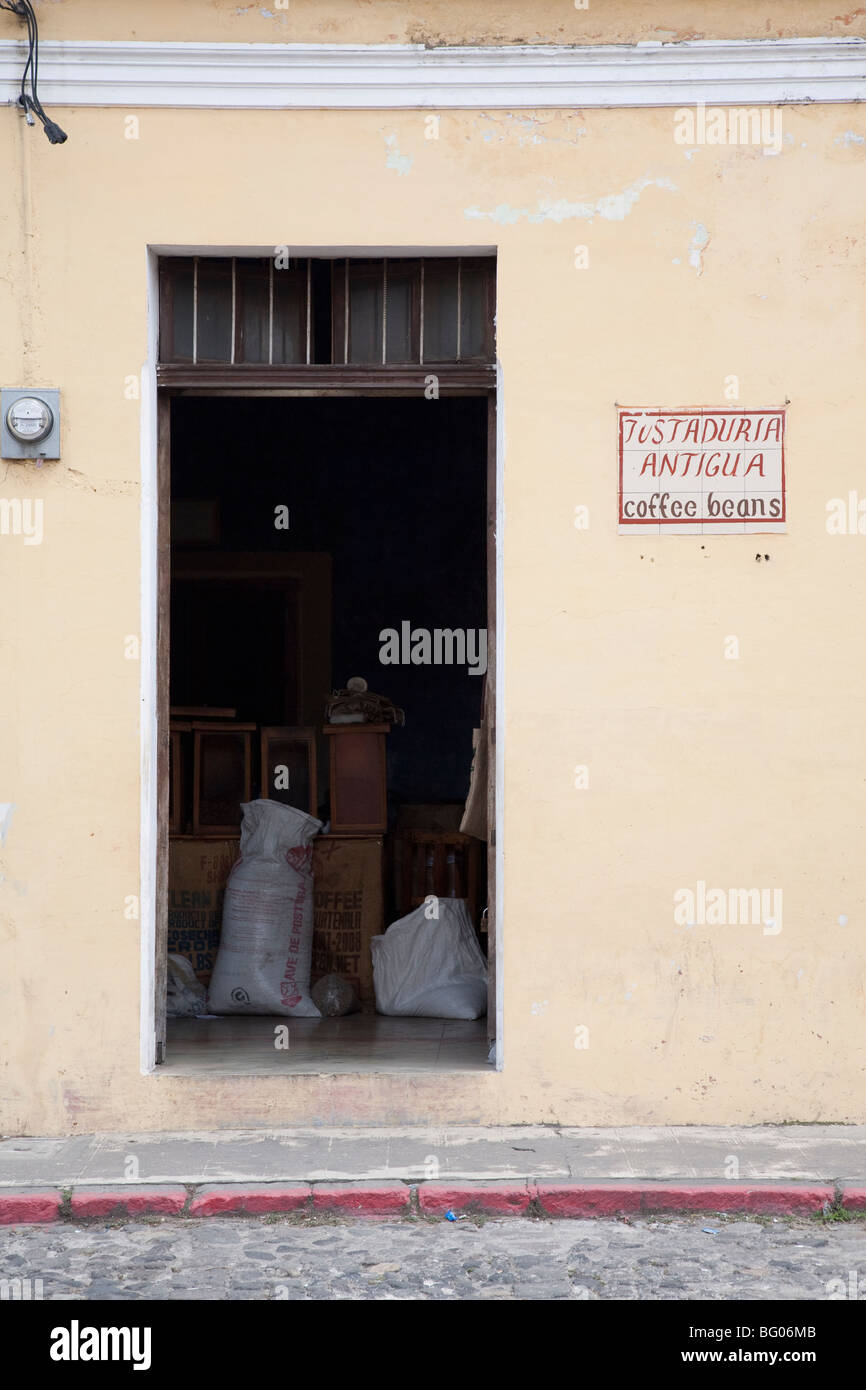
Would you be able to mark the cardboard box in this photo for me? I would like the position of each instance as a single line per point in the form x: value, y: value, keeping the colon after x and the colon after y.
x: 197, y: 874
x: 349, y: 907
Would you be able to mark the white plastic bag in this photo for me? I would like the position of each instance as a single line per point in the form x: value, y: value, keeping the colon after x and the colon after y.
x: 429, y: 965
x: 263, y: 963
x: 185, y: 994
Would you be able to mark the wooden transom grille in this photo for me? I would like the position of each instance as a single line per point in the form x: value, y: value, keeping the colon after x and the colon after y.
x: 270, y: 312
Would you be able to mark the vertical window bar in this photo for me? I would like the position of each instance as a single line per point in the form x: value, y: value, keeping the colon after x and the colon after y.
x: 195, y: 310
x: 346, y: 313
x: 459, y: 300
x: 271, y: 311
x: 421, y: 317
x: 234, y: 289
x: 309, y: 304
x: 384, y: 308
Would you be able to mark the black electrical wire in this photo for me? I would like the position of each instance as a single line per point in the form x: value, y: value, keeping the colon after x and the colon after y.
x: 29, y: 102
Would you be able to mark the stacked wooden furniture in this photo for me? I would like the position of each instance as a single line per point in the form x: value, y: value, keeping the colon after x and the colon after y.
x: 208, y: 802
x: 288, y: 766
x: 359, y: 797
x: 211, y: 775
x: 348, y: 863
x: 442, y: 864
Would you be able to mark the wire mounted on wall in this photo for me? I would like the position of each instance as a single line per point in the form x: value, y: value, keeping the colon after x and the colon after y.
x: 29, y: 101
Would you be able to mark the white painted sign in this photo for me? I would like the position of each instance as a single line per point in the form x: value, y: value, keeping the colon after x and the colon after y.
x: 701, y: 470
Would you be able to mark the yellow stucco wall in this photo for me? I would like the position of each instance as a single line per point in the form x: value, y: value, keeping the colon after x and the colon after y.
x: 445, y: 21
x: 746, y: 772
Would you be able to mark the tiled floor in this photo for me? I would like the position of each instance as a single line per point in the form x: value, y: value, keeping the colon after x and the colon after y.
x: 237, y: 1045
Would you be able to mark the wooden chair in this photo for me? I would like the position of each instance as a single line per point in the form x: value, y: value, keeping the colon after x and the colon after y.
x: 442, y: 863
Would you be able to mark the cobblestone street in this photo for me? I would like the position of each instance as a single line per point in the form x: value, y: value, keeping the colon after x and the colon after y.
x: 296, y: 1258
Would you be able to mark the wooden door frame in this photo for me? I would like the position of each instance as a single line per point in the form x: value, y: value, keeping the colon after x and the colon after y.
x: 155, y: 684
x: 493, y: 515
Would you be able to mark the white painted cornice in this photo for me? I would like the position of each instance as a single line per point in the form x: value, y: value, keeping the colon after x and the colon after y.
x: 384, y: 77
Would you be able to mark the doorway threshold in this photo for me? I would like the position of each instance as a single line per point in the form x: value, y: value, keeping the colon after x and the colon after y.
x: 238, y: 1045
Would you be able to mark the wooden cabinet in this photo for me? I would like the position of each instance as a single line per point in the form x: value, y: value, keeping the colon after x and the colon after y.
x: 289, y: 766
x: 222, y: 776
x: 359, y: 800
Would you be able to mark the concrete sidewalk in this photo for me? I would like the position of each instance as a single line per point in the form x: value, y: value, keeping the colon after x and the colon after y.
x: 532, y: 1170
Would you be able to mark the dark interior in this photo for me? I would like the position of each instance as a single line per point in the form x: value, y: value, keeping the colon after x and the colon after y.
x: 394, y: 491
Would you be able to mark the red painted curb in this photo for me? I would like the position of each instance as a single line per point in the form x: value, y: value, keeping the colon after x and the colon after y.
x: 363, y: 1199
x: 608, y: 1199
x: 28, y: 1207
x: 771, y: 1199
x: 504, y: 1198
x: 570, y: 1200
x: 563, y: 1199
x: 139, y: 1201
x: 253, y: 1201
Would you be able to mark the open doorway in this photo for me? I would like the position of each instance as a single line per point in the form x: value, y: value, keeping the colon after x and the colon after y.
x: 316, y: 538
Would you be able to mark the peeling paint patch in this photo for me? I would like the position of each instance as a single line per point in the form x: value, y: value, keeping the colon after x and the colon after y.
x: 770, y: 151
x: 395, y: 160
x: 699, y: 243
x: 849, y: 138
x: 539, y: 1008
x: 7, y: 811
x: 615, y: 207
x: 550, y: 129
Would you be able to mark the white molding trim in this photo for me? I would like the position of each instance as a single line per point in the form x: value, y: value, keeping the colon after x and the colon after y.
x: 386, y: 76
x: 149, y: 838
x: 499, y: 724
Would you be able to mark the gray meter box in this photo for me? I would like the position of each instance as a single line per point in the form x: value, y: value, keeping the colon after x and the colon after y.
x: 46, y: 448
